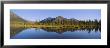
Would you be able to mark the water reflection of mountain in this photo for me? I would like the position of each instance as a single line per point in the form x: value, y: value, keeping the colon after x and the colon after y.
x: 14, y: 31
x: 62, y: 30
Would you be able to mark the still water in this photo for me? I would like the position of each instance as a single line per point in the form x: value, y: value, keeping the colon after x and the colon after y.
x: 34, y: 33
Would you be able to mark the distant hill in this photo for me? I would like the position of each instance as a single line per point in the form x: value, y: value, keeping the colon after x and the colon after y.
x: 16, y: 18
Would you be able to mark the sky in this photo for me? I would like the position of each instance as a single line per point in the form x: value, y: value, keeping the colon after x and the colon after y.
x: 40, y: 14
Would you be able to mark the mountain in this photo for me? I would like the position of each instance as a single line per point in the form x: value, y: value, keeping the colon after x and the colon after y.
x: 16, y: 18
x: 49, y: 19
x: 58, y: 19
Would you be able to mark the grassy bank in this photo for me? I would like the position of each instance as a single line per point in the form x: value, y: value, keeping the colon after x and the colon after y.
x: 56, y: 26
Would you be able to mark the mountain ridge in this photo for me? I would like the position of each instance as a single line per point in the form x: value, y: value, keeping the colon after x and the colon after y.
x: 58, y: 19
x: 14, y: 17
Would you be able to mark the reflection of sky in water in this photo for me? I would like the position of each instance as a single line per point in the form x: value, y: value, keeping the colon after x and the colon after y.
x: 41, y: 34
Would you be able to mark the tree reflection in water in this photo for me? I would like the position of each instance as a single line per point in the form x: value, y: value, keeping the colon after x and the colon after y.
x: 62, y: 30
x: 59, y: 30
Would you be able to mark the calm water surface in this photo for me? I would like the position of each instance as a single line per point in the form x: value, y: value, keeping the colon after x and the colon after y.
x: 33, y: 33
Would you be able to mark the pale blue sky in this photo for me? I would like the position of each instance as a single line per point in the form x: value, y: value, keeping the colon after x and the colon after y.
x: 40, y: 14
